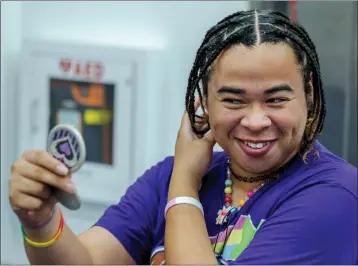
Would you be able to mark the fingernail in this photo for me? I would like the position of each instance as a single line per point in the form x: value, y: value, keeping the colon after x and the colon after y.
x: 61, y: 169
x: 71, y: 186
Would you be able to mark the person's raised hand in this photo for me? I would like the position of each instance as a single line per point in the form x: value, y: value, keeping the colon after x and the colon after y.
x: 30, y: 186
x: 193, y: 153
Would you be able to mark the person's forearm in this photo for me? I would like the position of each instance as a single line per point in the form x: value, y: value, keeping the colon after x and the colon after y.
x: 186, y: 237
x: 66, y: 250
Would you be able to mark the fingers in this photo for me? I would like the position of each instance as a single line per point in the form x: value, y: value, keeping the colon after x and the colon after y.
x: 31, y: 187
x: 31, y: 183
x: 45, y: 160
x: 185, y: 118
x: 41, y: 175
x: 27, y: 207
x: 26, y: 194
x: 25, y: 202
x: 198, y: 118
x: 209, y: 137
x: 200, y: 122
x: 201, y: 119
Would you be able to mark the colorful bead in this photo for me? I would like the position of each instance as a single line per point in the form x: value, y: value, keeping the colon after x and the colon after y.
x: 228, y: 190
x: 228, y: 199
x: 242, y: 203
x: 228, y: 182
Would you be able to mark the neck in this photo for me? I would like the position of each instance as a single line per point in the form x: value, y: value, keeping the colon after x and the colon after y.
x: 240, y: 172
x: 256, y: 178
x: 236, y: 184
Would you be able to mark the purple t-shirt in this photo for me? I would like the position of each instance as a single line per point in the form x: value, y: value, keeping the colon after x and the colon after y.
x: 307, y: 216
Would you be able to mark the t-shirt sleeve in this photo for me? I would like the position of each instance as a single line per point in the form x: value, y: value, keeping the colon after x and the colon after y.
x: 308, y: 229
x: 132, y: 220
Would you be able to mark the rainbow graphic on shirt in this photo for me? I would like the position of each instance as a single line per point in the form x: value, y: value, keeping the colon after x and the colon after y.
x: 232, y: 242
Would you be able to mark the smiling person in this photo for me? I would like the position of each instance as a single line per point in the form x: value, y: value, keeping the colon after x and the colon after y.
x: 275, y: 195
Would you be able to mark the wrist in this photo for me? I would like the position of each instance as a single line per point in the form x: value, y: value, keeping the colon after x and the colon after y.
x: 187, y: 171
x: 47, y: 235
x: 35, y: 221
x: 181, y: 188
x: 183, y: 200
x: 186, y: 178
x: 47, y: 231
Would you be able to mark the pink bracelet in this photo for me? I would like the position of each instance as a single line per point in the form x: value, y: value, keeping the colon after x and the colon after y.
x: 183, y: 200
x: 40, y: 226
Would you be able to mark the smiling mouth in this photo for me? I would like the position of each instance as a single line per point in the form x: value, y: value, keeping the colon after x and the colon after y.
x: 256, y: 148
x: 257, y: 145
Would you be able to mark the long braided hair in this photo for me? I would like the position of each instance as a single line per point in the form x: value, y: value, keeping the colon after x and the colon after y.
x: 250, y: 28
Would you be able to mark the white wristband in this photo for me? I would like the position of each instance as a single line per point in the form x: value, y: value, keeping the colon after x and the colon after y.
x: 183, y: 200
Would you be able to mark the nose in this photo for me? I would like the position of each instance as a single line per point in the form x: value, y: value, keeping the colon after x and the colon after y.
x: 256, y: 119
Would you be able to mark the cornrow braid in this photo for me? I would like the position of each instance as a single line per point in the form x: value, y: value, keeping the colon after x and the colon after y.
x: 316, y: 125
x: 249, y: 28
x: 222, y: 25
x: 201, y: 71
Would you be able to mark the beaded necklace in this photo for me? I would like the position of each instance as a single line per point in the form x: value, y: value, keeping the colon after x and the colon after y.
x: 223, y: 212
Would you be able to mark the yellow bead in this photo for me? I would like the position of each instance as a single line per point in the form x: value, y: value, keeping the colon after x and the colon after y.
x: 228, y: 190
x: 242, y: 202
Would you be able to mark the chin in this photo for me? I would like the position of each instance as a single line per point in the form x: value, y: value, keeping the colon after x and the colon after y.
x: 256, y: 165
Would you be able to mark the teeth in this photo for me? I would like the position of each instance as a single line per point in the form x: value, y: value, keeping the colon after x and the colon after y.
x: 257, y: 145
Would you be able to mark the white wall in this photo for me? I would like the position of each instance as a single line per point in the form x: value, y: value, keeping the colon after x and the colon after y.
x: 10, y: 48
x: 177, y: 27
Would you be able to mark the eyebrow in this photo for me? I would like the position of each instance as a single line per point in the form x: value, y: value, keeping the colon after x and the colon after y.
x: 240, y: 91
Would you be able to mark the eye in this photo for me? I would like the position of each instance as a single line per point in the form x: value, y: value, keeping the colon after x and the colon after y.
x: 233, y: 101
x: 277, y: 100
